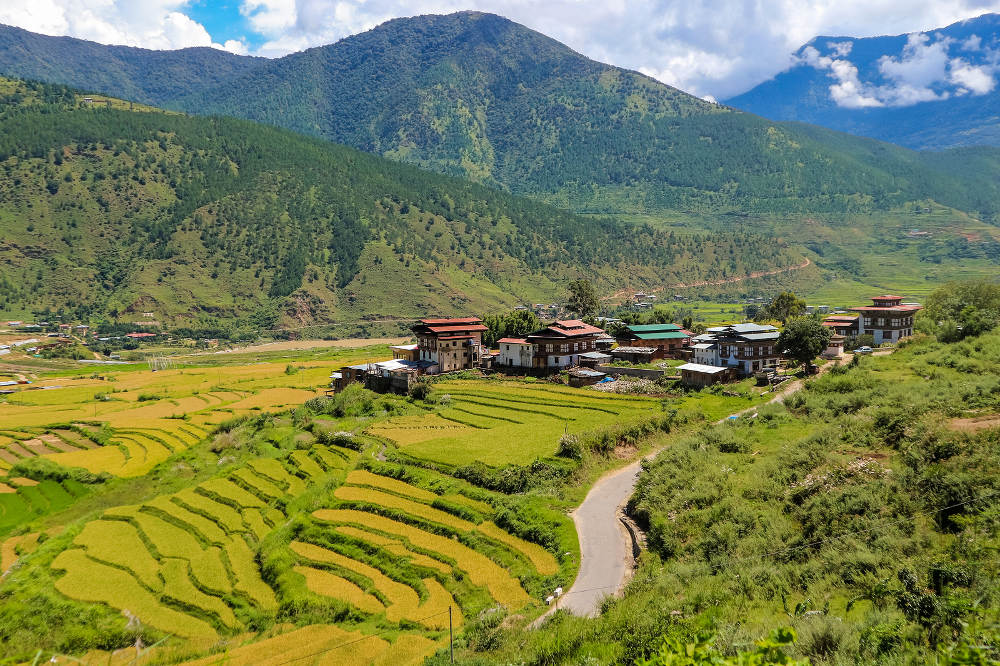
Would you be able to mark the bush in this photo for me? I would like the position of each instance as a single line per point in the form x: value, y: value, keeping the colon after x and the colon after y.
x: 41, y: 469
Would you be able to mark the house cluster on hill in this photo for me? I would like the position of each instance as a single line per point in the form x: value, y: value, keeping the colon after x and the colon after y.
x: 589, y: 354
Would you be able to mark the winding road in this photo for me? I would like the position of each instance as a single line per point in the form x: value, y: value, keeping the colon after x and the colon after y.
x: 605, y: 544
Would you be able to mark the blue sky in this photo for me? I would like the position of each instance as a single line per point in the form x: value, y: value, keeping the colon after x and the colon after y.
x: 711, y: 48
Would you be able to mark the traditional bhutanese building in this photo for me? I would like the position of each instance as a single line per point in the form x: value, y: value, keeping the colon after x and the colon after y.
x: 558, y: 345
x: 451, y: 344
x: 887, y: 320
x: 666, y: 339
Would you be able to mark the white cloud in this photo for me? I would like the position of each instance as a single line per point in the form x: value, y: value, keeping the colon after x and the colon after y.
x: 973, y: 43
x: 921, y: 64
x: 976, y: 79
x: 152, y: 24
x: 706, y: 47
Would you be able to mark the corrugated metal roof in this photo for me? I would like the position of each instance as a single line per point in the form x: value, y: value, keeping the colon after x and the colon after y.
x: 773, y: 335
x: 704, y: 369
x: 662, y: 335
x: 648, y: 328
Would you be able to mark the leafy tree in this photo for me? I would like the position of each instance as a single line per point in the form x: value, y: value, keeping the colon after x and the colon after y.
x: 516, y: 324
x: 583, y: 298
x: 785, y: 306
x: 803, y: 339
x: 962, y: 309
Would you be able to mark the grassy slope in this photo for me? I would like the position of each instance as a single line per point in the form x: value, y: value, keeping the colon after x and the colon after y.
x: 109, y: 212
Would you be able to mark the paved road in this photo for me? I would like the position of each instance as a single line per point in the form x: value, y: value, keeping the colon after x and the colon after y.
x: 605, y: 545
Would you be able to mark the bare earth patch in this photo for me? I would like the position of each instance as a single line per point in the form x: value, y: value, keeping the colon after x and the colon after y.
x: 976, y: 423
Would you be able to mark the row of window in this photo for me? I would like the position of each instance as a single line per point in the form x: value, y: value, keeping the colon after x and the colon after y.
x: 894, y: 323
x: 745, y: 350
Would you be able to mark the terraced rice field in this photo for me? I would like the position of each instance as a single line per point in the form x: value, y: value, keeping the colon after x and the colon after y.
x: 499, y: 423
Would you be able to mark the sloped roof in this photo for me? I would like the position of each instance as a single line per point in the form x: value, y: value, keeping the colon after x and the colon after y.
x: 513, y: 341
x: 662, y: 335
x: 633, y: 350
x: 650, y: 328
x: 457, y: 329
x: 451, y: 321
x: 743, y: 328
x: 702, y: 368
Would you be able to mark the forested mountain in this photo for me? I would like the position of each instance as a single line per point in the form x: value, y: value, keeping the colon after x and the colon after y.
x: 478, y: 96
x: 140, y: 75
x: 104, y: 211
x: 929, y: 90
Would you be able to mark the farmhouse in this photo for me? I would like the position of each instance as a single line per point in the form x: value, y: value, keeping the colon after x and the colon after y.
x: 699, y: 374
x: 887, y: 320
x: 634, y: 354
x: 558, y: 345
x: 748, y: 348
x: 844, y: 325
x: 451, y: 344
x: 667, y: 340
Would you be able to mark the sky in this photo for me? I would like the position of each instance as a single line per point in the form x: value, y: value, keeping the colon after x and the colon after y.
x: 710, y: 48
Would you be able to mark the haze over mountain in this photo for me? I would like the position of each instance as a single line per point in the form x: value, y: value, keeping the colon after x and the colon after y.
x: 478, y: 96
x: 930, y: 90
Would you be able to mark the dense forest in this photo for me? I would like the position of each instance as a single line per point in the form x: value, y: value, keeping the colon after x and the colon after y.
x: 477, y: 96
x: 108, y: 211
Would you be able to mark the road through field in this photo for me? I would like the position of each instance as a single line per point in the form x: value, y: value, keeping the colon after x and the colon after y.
x: 605, y: 544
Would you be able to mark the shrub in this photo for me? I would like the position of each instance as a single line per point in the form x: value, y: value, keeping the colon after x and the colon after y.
x: 570, y: 447
x: 41, y: 469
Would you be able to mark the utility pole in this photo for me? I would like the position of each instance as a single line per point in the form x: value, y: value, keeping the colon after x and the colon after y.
x: 451, y: 637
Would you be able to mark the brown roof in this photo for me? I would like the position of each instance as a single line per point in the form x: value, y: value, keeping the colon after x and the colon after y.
x: 886, y: 297
x: 457, y: 329
x: 513, y: 341
x: 887, y: 308
x: 453, y: 321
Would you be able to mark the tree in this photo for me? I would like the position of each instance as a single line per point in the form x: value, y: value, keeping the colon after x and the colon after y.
x: 785, y: 306
x: 516, y: 324
x: 962, y: 309
x: 803, y: 339
x: 583, y: 298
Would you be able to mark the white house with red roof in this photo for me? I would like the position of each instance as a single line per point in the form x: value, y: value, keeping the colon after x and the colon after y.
x: 558, y: 345
x: 887, y: 320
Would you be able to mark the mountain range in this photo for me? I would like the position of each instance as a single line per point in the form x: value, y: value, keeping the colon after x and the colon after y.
x: 109, y: 212
x: 245, y: 211
x: 926, y: 90
x: 478, y: 96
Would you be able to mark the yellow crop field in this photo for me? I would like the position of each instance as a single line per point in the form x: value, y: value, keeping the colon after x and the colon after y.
x: 200, y: 525
x: 477, y: 505
x: 361, y: 477
x: 403, y: 600
x: 11, y: 546
x: 230, y: 493
x: 108, y: 459
x: 117, y: 542
x: 329, y: 585
x: 177, y: 586
x: 226, y: 516
x: 87, y: 580
x: 244, y: 568
x: 274, y: 471
x: 541, y: 559
x: 308, y: 466
x: 395, y: 547
x: 481, y: 570
x: 253, y: 519
x: 325, y: 645
x: 434, y: 610
x: 258, y: 485
x: 355, y: 494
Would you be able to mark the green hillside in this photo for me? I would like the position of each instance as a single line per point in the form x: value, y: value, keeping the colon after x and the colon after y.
x: 477, y: 96
x: 106, y: 212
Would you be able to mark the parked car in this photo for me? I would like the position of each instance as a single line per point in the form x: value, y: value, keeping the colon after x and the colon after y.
x: 863, y: 350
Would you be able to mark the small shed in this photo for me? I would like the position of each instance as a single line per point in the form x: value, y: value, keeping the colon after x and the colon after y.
x: 584, y: 377
x: 594, y: 359
x: 696, y: 374
x: 634, y: 354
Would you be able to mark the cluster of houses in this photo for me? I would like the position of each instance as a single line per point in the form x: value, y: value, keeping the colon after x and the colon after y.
x: 588, y: 353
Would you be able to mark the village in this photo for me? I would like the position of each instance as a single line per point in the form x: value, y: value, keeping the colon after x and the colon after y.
x: 585, y: 352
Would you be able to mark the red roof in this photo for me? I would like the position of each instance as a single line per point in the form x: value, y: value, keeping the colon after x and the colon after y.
x: 454, y: 337
x: 513, y: 341
x: 457, y: 329
x: 574, y: 327
x: 886, y: 297
x: 458, y: 320
x: 140, y: 335
x: 842, y: 318
x: 888, y: 308
x: 834, y: 324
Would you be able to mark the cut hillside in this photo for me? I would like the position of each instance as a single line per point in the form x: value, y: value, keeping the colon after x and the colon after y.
x: 107, y: 212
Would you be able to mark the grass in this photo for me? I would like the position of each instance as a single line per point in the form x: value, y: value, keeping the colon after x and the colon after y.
x: 487, y: 409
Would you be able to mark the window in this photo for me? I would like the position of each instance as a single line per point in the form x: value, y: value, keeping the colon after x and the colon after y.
x: 548, y: 348
x: 576, y: 346
x: 564, y: 347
